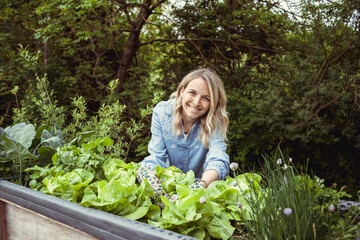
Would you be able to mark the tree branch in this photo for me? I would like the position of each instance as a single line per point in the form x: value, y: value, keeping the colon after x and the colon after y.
x: 210, y: 40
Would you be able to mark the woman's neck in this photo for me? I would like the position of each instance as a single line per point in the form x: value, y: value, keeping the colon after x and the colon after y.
x: 187, y: 125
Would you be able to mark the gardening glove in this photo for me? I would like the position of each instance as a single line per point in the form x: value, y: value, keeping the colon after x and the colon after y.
x: 149, y: 173
x: 195, y: 185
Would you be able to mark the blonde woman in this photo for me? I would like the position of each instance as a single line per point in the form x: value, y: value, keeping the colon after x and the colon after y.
x: 189, y: 131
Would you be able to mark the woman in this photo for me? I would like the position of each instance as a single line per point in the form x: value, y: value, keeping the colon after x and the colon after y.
x: 189, y: 131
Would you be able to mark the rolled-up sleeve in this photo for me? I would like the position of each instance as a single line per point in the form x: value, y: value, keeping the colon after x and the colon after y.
x: 217, y: 159
x: 156, y: 148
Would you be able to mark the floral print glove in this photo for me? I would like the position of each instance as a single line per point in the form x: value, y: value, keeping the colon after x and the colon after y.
x: 148, y: 173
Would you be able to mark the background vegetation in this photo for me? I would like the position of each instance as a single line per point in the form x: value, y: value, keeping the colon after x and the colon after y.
x: 291, y: 73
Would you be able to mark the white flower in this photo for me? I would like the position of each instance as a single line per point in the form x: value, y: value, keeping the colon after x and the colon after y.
x: 331, y: 208
x: 234, y: 183
x: 234, y: 166
x: 202, y: 200
x: 287, y: 211
x: 279, y: 161
x: 285, y: 167
x: 290, y: 160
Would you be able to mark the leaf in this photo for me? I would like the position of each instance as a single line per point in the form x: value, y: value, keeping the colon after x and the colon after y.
x: 46, y: 135
x: 53, y: 142
x: 22, y: 133
x: 45, y: 154
x: 154, y: 213
x: 195, y: 231
x: 40, y: 130
x: 139, y: 213
x: 220, y: 227
x: 16, y: 151
x: 81, y: 138
x: 115, y: 190
x: 171, y: 213
x: 1, y: 133
x: 65, y: 157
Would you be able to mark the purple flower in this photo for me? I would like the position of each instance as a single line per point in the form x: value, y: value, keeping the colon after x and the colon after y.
x: 234, y: 183
x: 234, y: 166
x: 287, y: 211
x: 331, y: 208
x: 202, y: 200
x: 239, y: 204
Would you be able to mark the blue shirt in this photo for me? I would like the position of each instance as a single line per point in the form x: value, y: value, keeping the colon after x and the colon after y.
x: 166, y: 149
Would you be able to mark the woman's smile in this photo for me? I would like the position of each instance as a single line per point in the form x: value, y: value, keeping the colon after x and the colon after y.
x: 195, y: 100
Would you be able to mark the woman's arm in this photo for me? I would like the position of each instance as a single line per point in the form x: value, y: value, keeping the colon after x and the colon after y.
x: 217, y: 160
x: 208, y: 177
x: 156, y: 147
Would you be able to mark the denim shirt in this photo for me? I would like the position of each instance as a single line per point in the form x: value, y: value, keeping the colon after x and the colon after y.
x: 166, y: 149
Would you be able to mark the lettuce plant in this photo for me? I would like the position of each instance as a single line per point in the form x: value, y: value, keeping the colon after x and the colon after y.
x: 88, y: 175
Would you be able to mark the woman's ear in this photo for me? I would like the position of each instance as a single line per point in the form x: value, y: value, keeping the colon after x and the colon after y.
x: 181, y: 91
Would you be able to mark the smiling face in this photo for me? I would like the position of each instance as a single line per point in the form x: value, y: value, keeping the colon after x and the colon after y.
x: 195, y: 100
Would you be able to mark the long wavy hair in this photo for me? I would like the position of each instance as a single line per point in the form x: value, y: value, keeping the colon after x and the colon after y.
x: 216, y: 117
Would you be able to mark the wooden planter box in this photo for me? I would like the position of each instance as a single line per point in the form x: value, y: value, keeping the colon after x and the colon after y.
x: 26, y: 214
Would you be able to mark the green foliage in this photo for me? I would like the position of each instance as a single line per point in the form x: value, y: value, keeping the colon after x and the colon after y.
x: 38, y: 106
x: 21, y: 147
x: 247, y: 204
x: 291, y: 75
x: 110, y: 121
x: 295, y: 206
x: 90, y: 176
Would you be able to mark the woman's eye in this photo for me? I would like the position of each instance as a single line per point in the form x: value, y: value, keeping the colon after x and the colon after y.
x: 192, y: 93
x: 207, y: 99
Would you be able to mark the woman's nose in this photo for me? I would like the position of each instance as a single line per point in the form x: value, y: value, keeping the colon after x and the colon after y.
x: 197, y: 101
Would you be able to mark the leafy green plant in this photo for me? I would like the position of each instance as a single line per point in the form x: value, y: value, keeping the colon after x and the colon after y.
x: 91, y: 176
x: 21, y: 147
x: 110, y: 121
x: 39, y: 105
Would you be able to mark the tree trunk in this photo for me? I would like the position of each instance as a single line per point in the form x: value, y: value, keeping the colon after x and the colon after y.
x: 133, y: 42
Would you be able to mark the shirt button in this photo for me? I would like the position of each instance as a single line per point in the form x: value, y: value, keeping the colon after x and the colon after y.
x: 173, y: 146
x: 196, y: 146
x: 186, y: 160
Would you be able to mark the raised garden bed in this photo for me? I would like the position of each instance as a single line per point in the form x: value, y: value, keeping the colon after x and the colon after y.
x: 29, y: 214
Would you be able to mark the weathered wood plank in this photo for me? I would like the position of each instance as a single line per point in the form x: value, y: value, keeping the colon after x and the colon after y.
x: 3, y: 232
x: 25, y: 224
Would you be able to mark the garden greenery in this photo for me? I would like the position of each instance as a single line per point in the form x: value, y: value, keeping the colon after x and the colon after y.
x: 279, y: 203
x: 75, y: 109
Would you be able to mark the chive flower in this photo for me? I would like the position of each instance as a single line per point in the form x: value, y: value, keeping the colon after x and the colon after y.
x: 234, y: 166
x: 202, y: 200
x: 234, y: 183
x: 239, y: 204
x: 290, y: 160
x: 331, y: 208
x: 285, y: 167
x: 287, y: 211
x: 279, y: 161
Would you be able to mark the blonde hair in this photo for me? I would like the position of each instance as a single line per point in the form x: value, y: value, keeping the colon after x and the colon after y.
x: 216, y: 117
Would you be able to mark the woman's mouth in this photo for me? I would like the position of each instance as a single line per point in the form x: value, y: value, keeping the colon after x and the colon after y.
x: 194, y: 109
